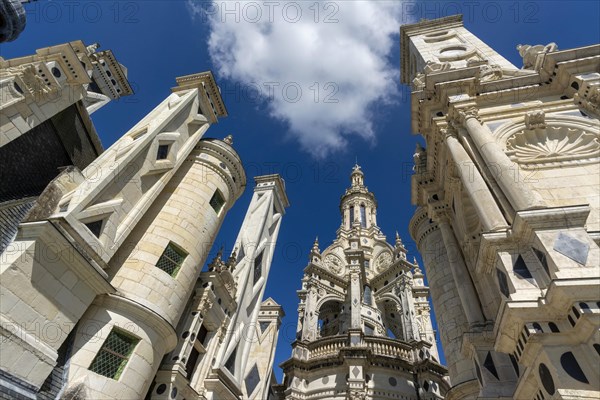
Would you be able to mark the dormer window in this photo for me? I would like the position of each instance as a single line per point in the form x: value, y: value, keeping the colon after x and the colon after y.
x: 163, y: 152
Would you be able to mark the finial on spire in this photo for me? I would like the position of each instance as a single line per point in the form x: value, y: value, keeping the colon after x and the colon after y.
x: 357, y: 176
x: 315, y: 247
x: 228, y: 139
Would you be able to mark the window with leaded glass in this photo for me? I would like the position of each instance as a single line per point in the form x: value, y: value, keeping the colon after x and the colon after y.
x: 367, y: 298
x: 171, y: 259
x: 258, y: 267
x: 217, y: 201
x: 114, y: 354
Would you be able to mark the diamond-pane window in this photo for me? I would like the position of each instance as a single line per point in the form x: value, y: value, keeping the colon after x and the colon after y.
x: 217, y: 201
x: 171, y: 259
x: 258, y: 267
x: 114, y: 354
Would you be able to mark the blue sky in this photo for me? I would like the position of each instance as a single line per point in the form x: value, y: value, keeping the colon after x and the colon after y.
x: 342, y: 56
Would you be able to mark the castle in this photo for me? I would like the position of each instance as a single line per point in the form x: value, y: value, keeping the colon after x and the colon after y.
x: 102, y: 252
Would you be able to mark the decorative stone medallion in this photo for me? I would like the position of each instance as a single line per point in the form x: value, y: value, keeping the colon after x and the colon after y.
x: 383, y: 260
x: 333, y: 263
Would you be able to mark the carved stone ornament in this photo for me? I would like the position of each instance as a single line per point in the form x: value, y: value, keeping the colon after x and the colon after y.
x: 333, y: 263
x: 468, y: 112
x: 357, y: 395
x: 591, y: 103
x: 419, y: 82
x: 489, y: 73
x: 555, y: 144
x: 535, y: 119
x: 433, y: 67
x: 34, y: 84
x: 530, y: 53
x: 383, y: 261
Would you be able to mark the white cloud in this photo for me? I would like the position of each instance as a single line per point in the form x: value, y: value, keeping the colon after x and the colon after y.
x: 335, y: 53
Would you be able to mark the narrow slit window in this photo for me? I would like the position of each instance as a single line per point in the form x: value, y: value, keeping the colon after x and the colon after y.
x: 114, y: 354
x: 171, y: 259
x: 258, y: 267
x: 351, y: 216
x: 363, y: 216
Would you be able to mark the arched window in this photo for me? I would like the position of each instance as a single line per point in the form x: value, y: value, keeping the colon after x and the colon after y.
x: 351, y: 216
x: 367, y: 298
x: 363, y: 216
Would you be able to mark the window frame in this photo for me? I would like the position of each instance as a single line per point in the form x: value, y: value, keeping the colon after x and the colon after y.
x: 220, y: 198
x: 124, y: 357
x: 178, y: 265
x: 166, y: 154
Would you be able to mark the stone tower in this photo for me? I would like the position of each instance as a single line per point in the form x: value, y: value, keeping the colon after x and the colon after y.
x: 228, y: 335
x: 100, y: 273
x: 364, y: 329
x: 508, y: 217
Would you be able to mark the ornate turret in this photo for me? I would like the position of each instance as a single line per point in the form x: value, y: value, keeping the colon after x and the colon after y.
x: 359, y: 291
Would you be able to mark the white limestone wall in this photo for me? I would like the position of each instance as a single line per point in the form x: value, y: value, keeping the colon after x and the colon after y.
x: 181, y: 214
x: 106, y: 313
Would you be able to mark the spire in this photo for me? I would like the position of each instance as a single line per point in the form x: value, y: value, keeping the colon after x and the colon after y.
x: 315, y: 247
x: 399, y: 243
x: 315, y: 252
x: 418, y: 273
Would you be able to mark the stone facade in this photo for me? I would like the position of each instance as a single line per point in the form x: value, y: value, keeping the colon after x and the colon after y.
x: 508, y: 210
x: 364, y: 327
x: 101, y: 276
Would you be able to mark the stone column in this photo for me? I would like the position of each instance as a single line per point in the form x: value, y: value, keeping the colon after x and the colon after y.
x: 355, y: 303
x: 450, y: 314
x: 487, y: 209
x: 506, y: 172
x: 309, y: 328
x: 466, y: 290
